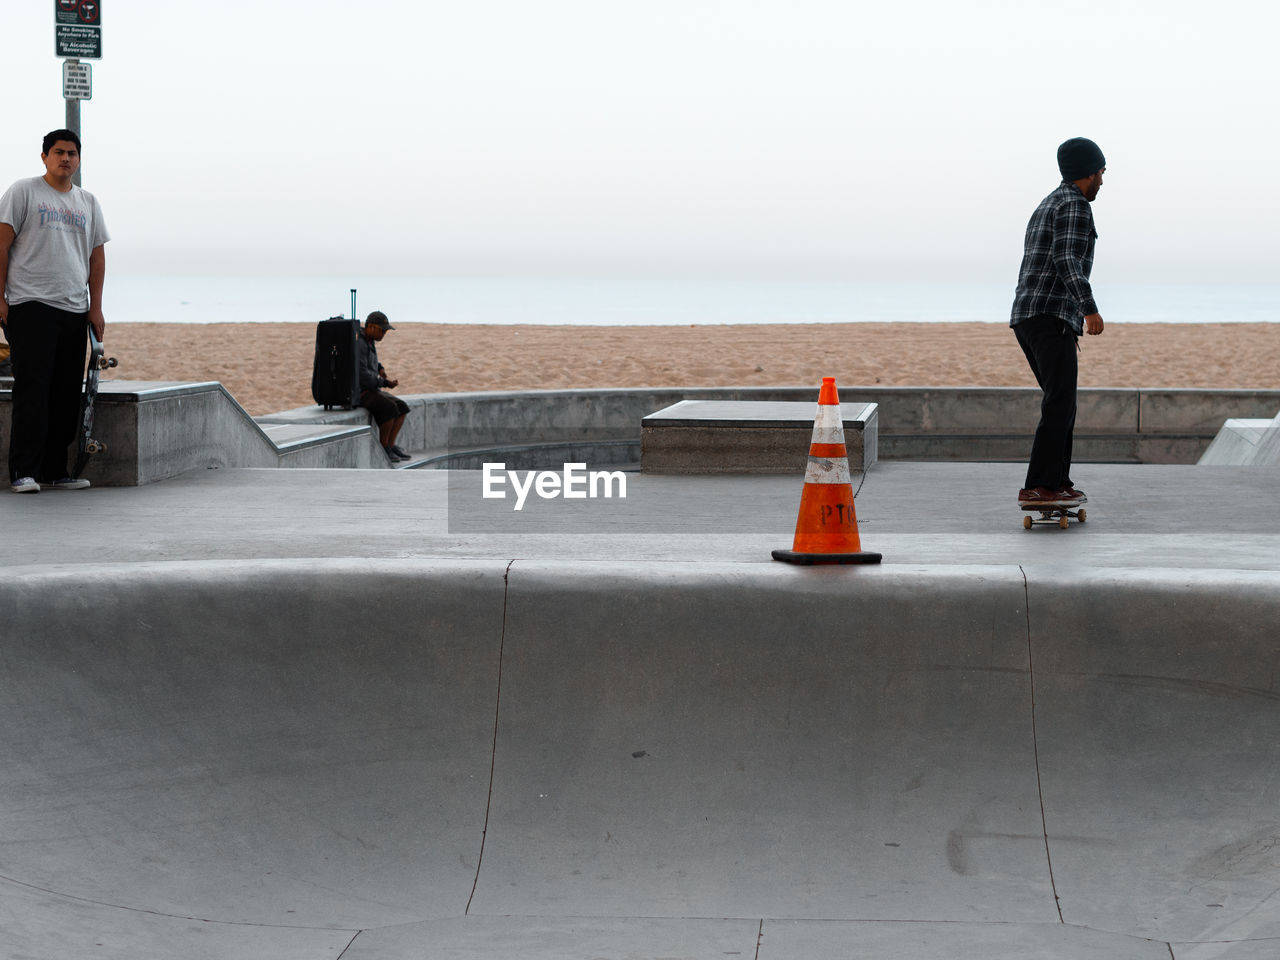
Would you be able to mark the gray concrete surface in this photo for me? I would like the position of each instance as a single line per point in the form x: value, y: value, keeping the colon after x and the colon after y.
x: 352, y: 714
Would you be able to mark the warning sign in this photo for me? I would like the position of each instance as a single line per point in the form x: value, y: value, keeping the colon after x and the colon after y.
x: 78, y: 29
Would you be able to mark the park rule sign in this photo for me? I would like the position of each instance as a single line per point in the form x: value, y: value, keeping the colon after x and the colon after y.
x: 78, y: 29
x: 77, y: 80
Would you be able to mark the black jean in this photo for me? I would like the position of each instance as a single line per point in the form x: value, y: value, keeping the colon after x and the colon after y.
x: 1050, y: 347
x: 48, y: 350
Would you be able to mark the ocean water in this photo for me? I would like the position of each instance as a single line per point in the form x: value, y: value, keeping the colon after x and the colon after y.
x: 630, y: 302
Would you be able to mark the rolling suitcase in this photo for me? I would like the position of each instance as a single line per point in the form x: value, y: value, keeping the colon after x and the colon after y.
x: 335, y: 379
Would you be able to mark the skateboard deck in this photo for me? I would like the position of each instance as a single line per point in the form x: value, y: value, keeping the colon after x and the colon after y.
x: 1061, y: 515
x: 88, y: 446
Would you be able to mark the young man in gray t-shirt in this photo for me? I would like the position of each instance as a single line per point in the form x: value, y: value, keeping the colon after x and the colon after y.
x: 52, y: 268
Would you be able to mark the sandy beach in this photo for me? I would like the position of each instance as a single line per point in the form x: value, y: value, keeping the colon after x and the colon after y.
x: 267, y: 367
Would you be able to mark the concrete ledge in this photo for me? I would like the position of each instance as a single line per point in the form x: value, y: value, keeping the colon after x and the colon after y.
x: 745, y: 436
x: 1015, y: 447
x: 156, y: 430
x: 1202, y: 411
x: 1253, y: 443
x: 913, y: 423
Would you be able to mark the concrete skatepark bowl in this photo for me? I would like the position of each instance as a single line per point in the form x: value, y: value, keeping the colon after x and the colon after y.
x: 387, y: 759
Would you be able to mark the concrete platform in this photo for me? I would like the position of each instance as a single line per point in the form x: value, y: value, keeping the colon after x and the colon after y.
x: 332, y: 714
x: 747, y: 436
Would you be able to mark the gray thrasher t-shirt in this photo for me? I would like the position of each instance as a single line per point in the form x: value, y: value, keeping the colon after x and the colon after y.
x: 54, y: 235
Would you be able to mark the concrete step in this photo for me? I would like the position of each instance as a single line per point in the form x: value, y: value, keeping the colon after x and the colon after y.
x: 296, y: 436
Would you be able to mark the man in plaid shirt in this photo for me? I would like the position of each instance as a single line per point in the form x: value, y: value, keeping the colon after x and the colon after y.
x: 1053, y: 305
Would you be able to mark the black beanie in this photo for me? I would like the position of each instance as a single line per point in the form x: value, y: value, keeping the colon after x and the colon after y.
x: 1079, y: 158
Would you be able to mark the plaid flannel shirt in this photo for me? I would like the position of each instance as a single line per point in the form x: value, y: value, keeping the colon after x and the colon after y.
x: 1057, y: 260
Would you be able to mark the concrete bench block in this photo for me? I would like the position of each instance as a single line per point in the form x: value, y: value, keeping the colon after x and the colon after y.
x: 735, y: 436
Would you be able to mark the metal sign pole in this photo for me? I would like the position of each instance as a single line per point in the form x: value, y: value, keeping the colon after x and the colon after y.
x: 73, y: 124
x: 77, y: 36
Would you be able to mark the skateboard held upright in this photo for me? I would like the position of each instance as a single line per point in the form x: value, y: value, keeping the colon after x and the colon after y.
x: 98, y: 362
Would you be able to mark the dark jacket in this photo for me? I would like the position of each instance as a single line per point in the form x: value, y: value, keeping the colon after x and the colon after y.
x: 371, y: 376
x: 1057, y: 260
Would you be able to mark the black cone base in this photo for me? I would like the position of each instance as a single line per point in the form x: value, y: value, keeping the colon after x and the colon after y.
x: 790, y: 556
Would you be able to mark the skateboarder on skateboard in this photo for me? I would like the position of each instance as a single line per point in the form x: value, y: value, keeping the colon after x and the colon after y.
x: 52, y: 267
x: 1053, y: 305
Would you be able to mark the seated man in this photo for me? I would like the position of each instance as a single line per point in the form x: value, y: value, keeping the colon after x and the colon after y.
x: 388, y: 411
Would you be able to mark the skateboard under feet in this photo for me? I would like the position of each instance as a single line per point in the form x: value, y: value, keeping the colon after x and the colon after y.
x: 1059, y: 515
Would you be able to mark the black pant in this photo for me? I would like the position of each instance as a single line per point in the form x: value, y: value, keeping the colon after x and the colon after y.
x: 48, y: 350
x: 1050, y: 346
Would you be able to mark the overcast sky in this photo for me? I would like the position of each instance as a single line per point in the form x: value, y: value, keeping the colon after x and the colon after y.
x: 830, y: 138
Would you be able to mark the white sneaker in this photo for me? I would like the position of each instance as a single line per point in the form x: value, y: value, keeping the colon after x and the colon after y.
x: 25, y: 485
x: 70, y: 483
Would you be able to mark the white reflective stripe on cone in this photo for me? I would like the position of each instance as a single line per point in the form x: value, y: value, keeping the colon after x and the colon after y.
x: 824, y: 470
x: 826, y: 434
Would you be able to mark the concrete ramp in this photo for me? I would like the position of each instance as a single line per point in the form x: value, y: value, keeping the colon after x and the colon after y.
x: 276, y: 752
x: 1241, y: 442
x: 1158, y: 719
x: 803, y: 744
x: 384, y: 760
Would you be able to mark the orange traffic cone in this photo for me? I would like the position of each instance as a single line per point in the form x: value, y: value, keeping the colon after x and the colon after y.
x: 827, y: 528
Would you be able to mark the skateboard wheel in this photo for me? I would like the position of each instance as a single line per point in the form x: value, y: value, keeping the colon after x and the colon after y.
x: 1062, y: 521
x: 95, y: 446
x: 1026, y: 522
x: 1080, y: 516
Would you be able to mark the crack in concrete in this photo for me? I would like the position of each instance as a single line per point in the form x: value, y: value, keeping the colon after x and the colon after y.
x: 497, y: 716
x: 1035, y: 746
